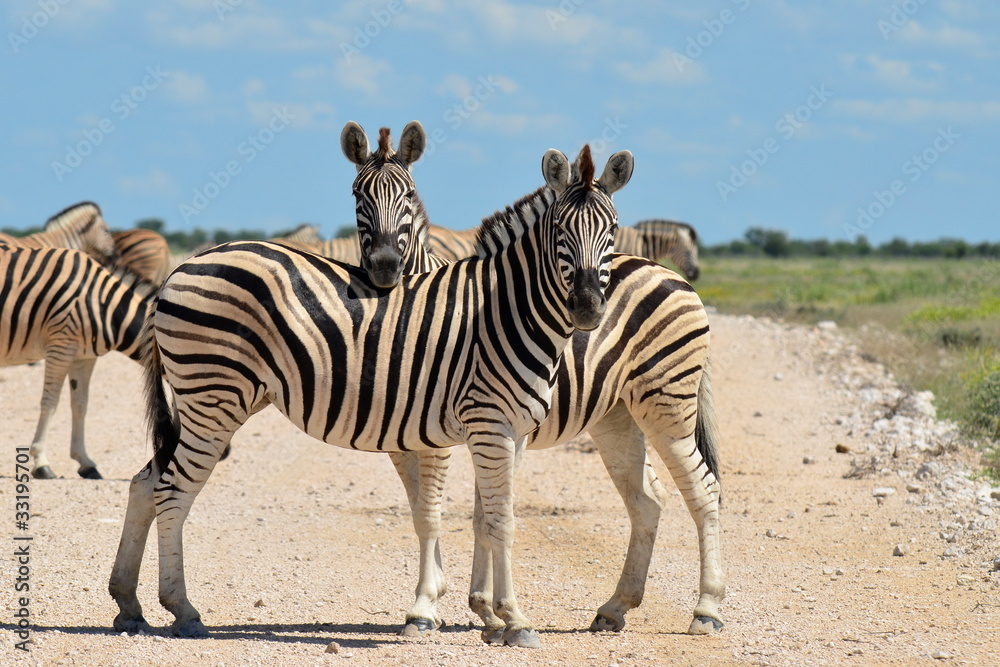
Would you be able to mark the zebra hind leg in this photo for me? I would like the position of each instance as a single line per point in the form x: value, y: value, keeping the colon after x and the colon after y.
x: 700, y: 490
x: 79, y: 391
x: 176, y: 489
x: 125, y: 574
x: 623, y: 449
x: 481, y: 585
x: 57, y: 363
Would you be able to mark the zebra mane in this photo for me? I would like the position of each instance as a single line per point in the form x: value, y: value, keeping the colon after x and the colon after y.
x: 502, y: 228
x: 587, y: 168
x: 655, y: 225
x: 72, y: 214
x: 421, y: 223
x: 384, y: 151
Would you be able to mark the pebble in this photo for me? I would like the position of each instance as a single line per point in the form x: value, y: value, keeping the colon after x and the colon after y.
x: 842, y: 449
x: 941, y: 655
x: 808, y: 460
x: 896, y: 523
x: 332, y: 647
x: 900, y: 550
x: 883, y: 491
x: 996, y: 564
x: 259, y: 603
x: 914, y: 488
x: 826, y: 325
x: 778, y: 377
x: 771, y: 533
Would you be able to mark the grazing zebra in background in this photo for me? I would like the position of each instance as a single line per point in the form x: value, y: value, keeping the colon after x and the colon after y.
x: 659, y: 239
x: 81, y: 227
x: 644, y: 370
x: 145, y: 253
x: 465, y: 354
x: 653, y: 239
x: 61, y: 305
x: 303, y: 237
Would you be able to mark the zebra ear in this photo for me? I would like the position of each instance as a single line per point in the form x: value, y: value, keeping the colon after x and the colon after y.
x: 555, y: 170
x: 412, y: 143
x: 354, y: 143
x: 617, y: 172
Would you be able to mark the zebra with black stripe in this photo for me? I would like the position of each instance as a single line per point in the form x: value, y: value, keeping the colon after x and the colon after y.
x: 81, y: 227
x: 643, y: 373
x: 62, y: 306
x: 653, y: 239
x: 465, y: 354
x: 145, y: 253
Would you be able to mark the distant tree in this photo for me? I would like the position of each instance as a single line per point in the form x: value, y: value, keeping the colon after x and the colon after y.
x: 862, y: 246
x: 897, y: 247
x: 152, y: 224
x: 773, y: 242
x: 345, y: 232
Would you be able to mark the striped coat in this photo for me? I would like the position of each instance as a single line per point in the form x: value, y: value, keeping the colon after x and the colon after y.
x: 642, y: 373
x: 81, y: 227
x: 466, y: 354
x: 145, y: 253
x: 60, y: 305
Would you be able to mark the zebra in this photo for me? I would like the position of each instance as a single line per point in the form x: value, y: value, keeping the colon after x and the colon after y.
x: 658, y: 239
x: 653, y: 239
x: 643, y: 373
x: 62, y: 306
x: 145, y: 253
x: 79, y: 226
x: 305, y: 236
x: 465, y: 354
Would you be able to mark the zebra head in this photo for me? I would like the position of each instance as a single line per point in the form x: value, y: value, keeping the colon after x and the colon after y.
x: 385, y: 198
x: 584, y: 220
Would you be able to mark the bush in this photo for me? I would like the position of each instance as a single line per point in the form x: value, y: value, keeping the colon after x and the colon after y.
x: 984, y: 403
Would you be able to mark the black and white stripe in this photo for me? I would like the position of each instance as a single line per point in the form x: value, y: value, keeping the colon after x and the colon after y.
x: 464, y: 354
x: 60, y: 305
x: 644, y: 370
x: 145, y: 253
x: 662, y: 239
x: 80, y: 227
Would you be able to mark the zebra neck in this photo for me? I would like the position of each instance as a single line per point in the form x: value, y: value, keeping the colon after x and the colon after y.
x: 504, y: 228
x: 418, y: 257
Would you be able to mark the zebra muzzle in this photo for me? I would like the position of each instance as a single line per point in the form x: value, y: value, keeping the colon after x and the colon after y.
x: 586, y: 301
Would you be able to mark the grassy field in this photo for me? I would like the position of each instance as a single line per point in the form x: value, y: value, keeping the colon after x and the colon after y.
x: 934, y: 323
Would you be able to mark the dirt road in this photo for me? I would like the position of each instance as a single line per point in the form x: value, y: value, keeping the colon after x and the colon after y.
x: 295, y: 545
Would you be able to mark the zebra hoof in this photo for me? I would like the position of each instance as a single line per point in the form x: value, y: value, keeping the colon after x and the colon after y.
x: 493, y: 636
x: 89, y: 473
x: 226, y: 452
x: 193, y: 629
x: 705, y: 625
x: 418, y: 627
x: 523, y: 638
x: 603, y: 623
x: 44, y: 472
x: 132, y: 626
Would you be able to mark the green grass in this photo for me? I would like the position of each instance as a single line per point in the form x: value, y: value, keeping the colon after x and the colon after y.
x: 935, y: 323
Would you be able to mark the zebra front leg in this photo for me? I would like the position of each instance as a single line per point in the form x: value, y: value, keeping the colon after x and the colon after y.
x: 125, y: 574
x: 623, y: 449
x: 57, y: 363
x: 494, y: 458
x: 79, y: 393
x: 481, y: 585
x: 700, y: 490
x: 423, y: 475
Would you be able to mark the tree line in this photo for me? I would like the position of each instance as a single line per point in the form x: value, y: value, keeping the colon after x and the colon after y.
x: 761, y: 242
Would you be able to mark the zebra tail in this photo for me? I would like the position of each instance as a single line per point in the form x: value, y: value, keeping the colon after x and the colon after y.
x: 706, y: 429
x: 160, y: 416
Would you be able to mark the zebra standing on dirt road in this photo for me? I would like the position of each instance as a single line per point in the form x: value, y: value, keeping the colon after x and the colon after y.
x: 61, y: 305
x: 465, y: 354
x: 643, y: 370
x: 81, y: 227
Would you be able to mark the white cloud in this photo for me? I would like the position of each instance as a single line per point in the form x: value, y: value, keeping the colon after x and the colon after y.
x: 155, y: 183
x: 186, y: 88
x: 361, y: 73
x: 897, y: 74
x: 246, y: 27
x: 515, y: 123
x: 666, y: 67
x: 253, y: 87
x: 913, y: 109
x: 317, y: 114
x: 947, y: 36
x: 456, y: 85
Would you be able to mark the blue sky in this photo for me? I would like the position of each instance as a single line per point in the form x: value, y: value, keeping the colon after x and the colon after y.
x: 822, y: 119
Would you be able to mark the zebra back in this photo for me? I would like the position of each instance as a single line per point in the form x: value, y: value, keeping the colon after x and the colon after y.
x: 145, y: 253
x: 80, y: 227
x: 661, y: 239
x: 63, y: 299
x: 454, y: 245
